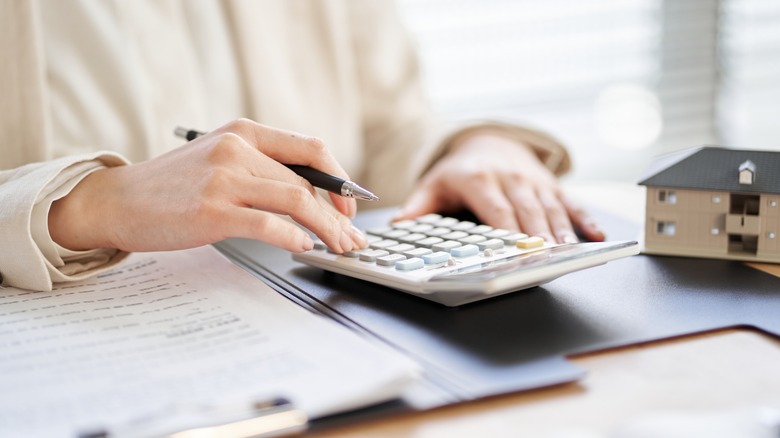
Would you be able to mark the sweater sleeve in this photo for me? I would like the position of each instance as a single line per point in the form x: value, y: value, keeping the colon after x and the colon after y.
x: 30, y: 259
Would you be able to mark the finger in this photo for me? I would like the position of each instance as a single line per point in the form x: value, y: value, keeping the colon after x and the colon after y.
x: 557, y: 217
x: 530, y: 212
x: 292, y: 148
x: 259, y: 225
x: 301, y: 204
x: 583, y: 221
x: 488, y: 201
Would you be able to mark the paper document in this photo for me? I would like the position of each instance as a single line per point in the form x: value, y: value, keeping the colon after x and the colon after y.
x: 166, y: 332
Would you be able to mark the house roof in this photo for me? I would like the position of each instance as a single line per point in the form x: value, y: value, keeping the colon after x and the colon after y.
x: 716, y: 168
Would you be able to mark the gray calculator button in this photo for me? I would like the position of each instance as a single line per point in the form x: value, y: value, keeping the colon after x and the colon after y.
x: 371, y: 256
x: 437, y: 232
x: 389, y: 260
x: 421, y: 228
x: 352, y: 254
x: 320, y: 245
x: 409, y: 264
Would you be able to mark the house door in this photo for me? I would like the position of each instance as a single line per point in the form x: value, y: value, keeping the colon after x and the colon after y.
x: 742, y: 224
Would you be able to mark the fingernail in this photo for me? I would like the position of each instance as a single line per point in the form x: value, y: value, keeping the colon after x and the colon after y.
x: 568, y: 238
x: 359, y: 238
x: 346, y: 242
x: 308, y: 244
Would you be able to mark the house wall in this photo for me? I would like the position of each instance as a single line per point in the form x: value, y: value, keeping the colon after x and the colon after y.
x: 700, y: 219
x: 768, y: 245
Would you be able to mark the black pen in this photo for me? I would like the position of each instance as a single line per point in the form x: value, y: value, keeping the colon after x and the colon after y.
x: 317, y: 178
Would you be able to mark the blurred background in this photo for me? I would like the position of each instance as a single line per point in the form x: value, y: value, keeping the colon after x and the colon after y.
x: 619, y: 81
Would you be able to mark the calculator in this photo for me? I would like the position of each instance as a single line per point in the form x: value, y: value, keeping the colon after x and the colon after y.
x: 455, y: 262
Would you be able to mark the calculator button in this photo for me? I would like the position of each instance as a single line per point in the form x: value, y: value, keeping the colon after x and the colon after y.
x: 530, y: 242
x: 490, y: 244
x: 389, y: 260
x: 437, y: 232
x: 414, y: 237
x: 455, y: 235
x: 417, y: 252
x: 382, y: 244
x: 481, y: 229
x: 421, y: 228
x: 465, y: 251
x: 352, y: 254
x: 395, y: 234
x: 463, y: 226
x: 400, y: 248
x: 513, y: 238
x: 446, y: 246
x: 446, y: 222
x: 436, y: 257
x: 379, y: 231
x: 370, y: 238
x: 429, y: 218
x: 497, y: 233
x: 474, y: 238
x: 320, y: 245
x: 405, y: 224
x: 371, y: 256
x: 409, y: 264
x: 429, y: 242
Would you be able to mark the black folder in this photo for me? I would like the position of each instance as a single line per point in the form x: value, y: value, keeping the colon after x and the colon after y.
x: 521, y: 340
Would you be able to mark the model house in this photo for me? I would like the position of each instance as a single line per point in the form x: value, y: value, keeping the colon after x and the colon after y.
x: 715, y: 202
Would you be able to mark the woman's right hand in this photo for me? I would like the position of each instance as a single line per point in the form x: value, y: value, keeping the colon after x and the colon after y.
x: 228, y: 183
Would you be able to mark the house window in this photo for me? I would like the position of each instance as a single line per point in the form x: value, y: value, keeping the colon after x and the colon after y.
x: 667, y: 196
x: 665, y: 228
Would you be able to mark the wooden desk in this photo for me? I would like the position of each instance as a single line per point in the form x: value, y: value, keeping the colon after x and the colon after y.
x: 726, y: 371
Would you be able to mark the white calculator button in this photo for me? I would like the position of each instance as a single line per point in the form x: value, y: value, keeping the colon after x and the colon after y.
x: 379, y: 231
x: 405, y: 224
x: 396, y: 234
x: 436, y: 257
x: 414, y: 237
x: 474, y: 238
x: 465, y: 251
x: 417, y: 252
x: 481, y: 229
x: 389, y: 260
x: 497, y: 233
x: 409, y: 264
x: 429, y: 218
x: 352, y: 254
x: 436, y: 232
x: 490, y: 244
x: 371, y: 256
x: 446, y: 222
x: 513, y: 238
x: 382, y: 244
x: 429, y: 241
x: 446, y: 246
x: 455, y: 235
x: 371, y: 238
x: 400, y: 248
x: 463, y: 226
x: 421, y: 228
